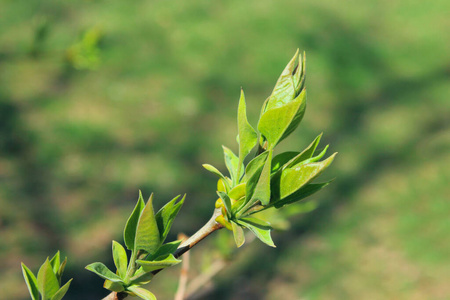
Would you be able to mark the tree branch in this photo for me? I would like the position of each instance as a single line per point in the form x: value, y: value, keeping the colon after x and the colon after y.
x: 187, y: 245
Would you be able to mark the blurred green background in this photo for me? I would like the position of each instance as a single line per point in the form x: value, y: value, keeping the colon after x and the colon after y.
x: 99, y: 99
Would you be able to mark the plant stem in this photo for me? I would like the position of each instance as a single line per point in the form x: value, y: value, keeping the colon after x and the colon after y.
x: 187, y: 245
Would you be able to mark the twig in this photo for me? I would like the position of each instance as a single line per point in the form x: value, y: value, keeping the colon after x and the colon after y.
x: 201, y: 280
x: 183, y: 275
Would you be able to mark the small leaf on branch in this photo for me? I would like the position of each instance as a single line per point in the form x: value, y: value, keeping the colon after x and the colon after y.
x: 120, y: 258
x: 62, y: 291
x: 101, y: 270
x: 142, y: 293
x: 166, y: 215
x: 147, y: 233
x: 129, y: 233
x: 160, y: 263
x: 31, y: 282
x: 247, y: 137
x: 47, y: 282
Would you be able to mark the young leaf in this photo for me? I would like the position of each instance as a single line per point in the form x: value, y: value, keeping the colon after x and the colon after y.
x: 141, y: 277
x: 255, y: 165
x: 262, y: 188
x: 120, y: 258
x: 62, y: 291
x: 281, y: 159
x: 166, y: 215
x: 232, y: 163
x: 47, y: 282
x: 261, y: 232
x: 226, y: 201
x: 284, y: 89
x: 237, y: 192
x: 305, y: 154
x: 114, y: 286
x: 286, y: 118
x: 301, y: 68
x: 302, y: 193
x: 55, y: 262
x: 31, y: 282
x: 129, y: 233
x: 168, y: 248
x: 141, y: 292
x: 147, y: 232
x: 256, y: 222
x: 61, y: 270
x: 103, y: 271
x: 293, y: 179
x: 238, y: 234
x: 213, y: 170
x: 160, y: 263
x: 248, y: 137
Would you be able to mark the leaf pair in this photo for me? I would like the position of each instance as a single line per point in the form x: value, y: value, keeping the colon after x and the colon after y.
x: 48, y: 281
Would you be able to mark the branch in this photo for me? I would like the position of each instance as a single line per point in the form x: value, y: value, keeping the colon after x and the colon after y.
x: 184, y: 273
x: 203, y: 232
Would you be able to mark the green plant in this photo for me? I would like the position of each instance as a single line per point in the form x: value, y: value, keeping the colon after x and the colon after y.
x: 266, y: 181
x: 48, y: 281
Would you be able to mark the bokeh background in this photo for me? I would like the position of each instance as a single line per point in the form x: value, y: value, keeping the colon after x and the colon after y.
x: 99, y: 99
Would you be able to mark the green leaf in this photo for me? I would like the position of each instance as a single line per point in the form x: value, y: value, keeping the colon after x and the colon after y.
x: 129, y: 233
x: 141, y: 292
x: 262, y: 188
x: 120, y: 258
x: 168, y: 248
x: 248, y: 138
x: 292, y: 179
x: 226, y: 201
x: 255, y: 165
x: 61, y: 270
x: 166, y: 215
x: 284, y: 90
x: 213, y: 170
x: 148, y: 237
x: 31, y: 282
x: 238, y: 234
x: 305, y: 154
x: 160, y: 263
x: 232, y: 163
x: 300, y: 74
x: 62, y: 291
x: 101, y: 270
x: 277, y: 123
x: 302, y: 193
x: 55, y: 262
x: 257, y: 222
x: 281, y: 159
x: 114, y: 286
x: 47, y: 282
x: 261, y: 232
x: 237, y: 192
x: 141, y: 277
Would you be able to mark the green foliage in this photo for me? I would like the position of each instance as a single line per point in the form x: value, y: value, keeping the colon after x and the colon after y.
x: 48, y: 281
x: 85, y: 53
x: 268, y: 180
x: 144, y: 235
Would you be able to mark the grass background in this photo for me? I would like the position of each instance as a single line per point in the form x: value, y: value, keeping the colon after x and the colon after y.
x: 99, y: 99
